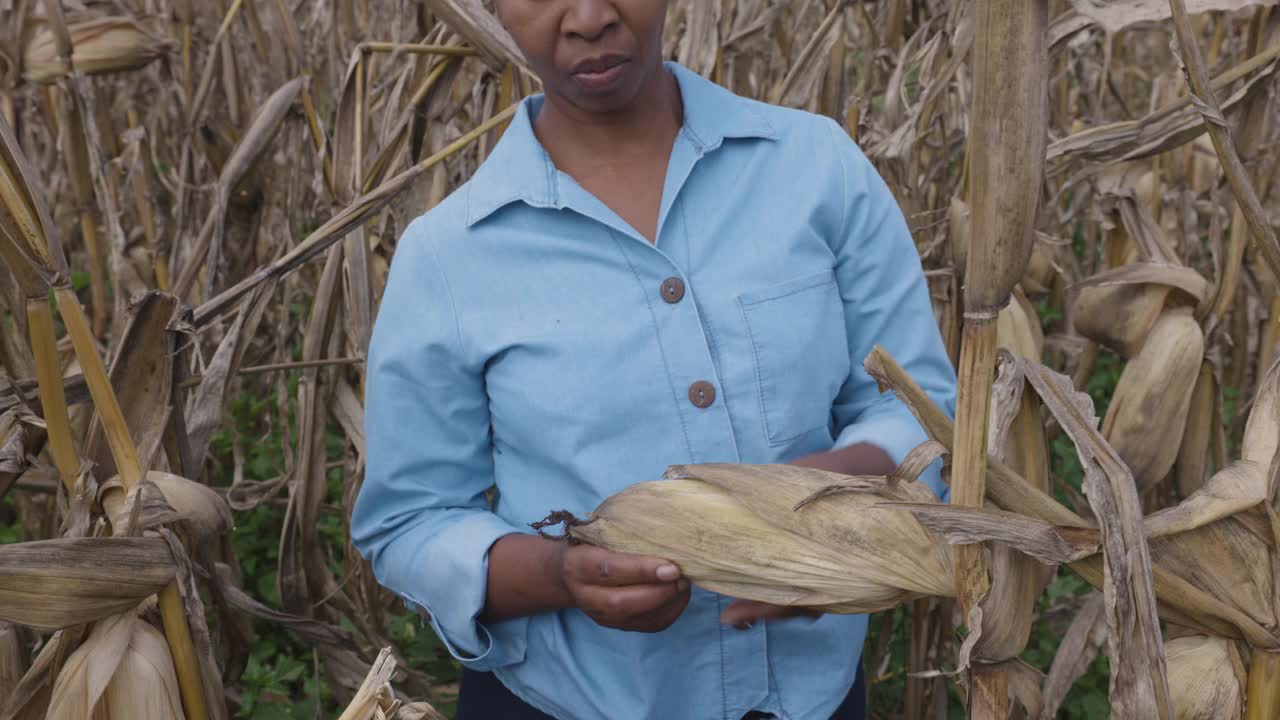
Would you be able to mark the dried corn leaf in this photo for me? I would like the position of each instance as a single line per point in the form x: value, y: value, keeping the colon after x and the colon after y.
x: 374, y: 692
x: 1164, y: 129
x: 29, y: 698
x: 1047, y: 543
x: 336, y: 646
x: 1177, y: 277
x: 1233, y: 489
x: 204, y: 409
x: 478, y: 25
x: 1138, y: 682
x: 142, y: 376
x: 13, y: 658
x: 1116, y: 15
x: 53, y: 584
x: 28, y: 243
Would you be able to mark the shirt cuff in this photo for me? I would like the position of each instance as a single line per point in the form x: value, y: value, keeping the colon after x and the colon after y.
x: 450, y: 585
x: 896, y: 434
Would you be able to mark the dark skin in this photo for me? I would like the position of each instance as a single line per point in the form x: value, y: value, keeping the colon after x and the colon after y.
x: 610, y: 118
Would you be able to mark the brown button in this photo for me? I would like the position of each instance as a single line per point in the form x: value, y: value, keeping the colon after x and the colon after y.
x: 702, y: 394
x: 672, y: 289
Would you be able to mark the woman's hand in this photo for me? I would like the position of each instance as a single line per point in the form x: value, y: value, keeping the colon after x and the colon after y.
x: 627, y: 592
x: 743, y: 613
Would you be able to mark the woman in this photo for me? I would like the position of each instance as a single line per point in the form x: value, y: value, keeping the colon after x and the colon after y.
x: 647, y: 270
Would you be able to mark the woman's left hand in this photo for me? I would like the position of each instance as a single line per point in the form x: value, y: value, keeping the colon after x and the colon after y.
x: 742, y: 613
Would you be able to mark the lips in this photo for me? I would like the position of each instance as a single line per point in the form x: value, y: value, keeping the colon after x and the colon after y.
x: 599, y: 74
x: 598, y: 65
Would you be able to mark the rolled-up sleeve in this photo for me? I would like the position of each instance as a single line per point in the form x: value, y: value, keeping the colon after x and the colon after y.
x: 886, y: 301
x: 421, y: 517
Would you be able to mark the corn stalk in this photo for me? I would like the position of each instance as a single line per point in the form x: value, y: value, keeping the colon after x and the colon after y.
x: 1005, y: 165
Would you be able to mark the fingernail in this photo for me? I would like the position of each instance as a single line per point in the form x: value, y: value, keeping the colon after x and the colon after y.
x: 743, y: 626
x: 667, y: 573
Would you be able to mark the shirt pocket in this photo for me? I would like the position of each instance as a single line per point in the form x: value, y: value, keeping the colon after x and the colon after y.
x: 801, y: 352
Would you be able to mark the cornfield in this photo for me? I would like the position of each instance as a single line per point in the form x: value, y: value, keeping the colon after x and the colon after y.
x: 200, y: 202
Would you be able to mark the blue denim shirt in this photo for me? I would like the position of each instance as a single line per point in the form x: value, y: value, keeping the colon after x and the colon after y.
x: 524, y: 341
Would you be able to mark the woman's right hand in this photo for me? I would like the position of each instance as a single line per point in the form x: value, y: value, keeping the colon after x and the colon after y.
x: 622, y: 591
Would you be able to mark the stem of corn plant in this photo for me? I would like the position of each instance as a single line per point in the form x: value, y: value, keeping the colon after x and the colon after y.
x: 97, y: 272
x: 1263, y: 695
x: 176, y: 630
x: 53, y: 400
x: 416, y: 49
x: 174, y: 618
x: 989, y: 689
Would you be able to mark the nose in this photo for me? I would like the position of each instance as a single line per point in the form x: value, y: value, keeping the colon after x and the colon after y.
x: 589, y: 19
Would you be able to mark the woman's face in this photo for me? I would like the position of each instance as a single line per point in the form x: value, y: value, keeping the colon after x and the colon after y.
x: 594, y: 54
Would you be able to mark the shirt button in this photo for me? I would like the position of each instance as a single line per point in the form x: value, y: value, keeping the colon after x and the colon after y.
x: 672, y: 290
x: 702, y: 394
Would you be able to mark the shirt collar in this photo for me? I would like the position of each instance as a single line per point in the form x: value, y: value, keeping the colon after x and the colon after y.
x: 520, y: 169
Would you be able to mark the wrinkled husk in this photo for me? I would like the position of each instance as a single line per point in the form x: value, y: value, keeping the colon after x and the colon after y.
x: 1041, y: 272
x: 1018, y: 328
x: 122, y: 671
x: 52, y: 584
x: 1206, y: 678
x: 732, y: 529
x: 166, y: 498
x: 1119, y: 317
x: 1017, y: 579
x: 98, y: 46
x: 1148, y: 412
x: 1262, y: 431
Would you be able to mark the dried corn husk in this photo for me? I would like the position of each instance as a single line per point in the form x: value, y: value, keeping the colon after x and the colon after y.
x: 733, y: 529
x: 1018, y: 328
x: 1262, y: 431
x: 1193, y: 451
x: 1148, y: 412
x: 1040, y: 270
x: 1119, y: 317
x: 1016, y: 436
x: 1206, y: 678
x: 101, y: 45
x: 52, y: 584
x: 168, y: 498
x: 122, y: 671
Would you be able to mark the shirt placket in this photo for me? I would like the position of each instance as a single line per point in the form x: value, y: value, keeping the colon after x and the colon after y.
x: 684, y: 342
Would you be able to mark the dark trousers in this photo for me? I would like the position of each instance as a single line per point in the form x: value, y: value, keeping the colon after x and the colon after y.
x: 481, y: 696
